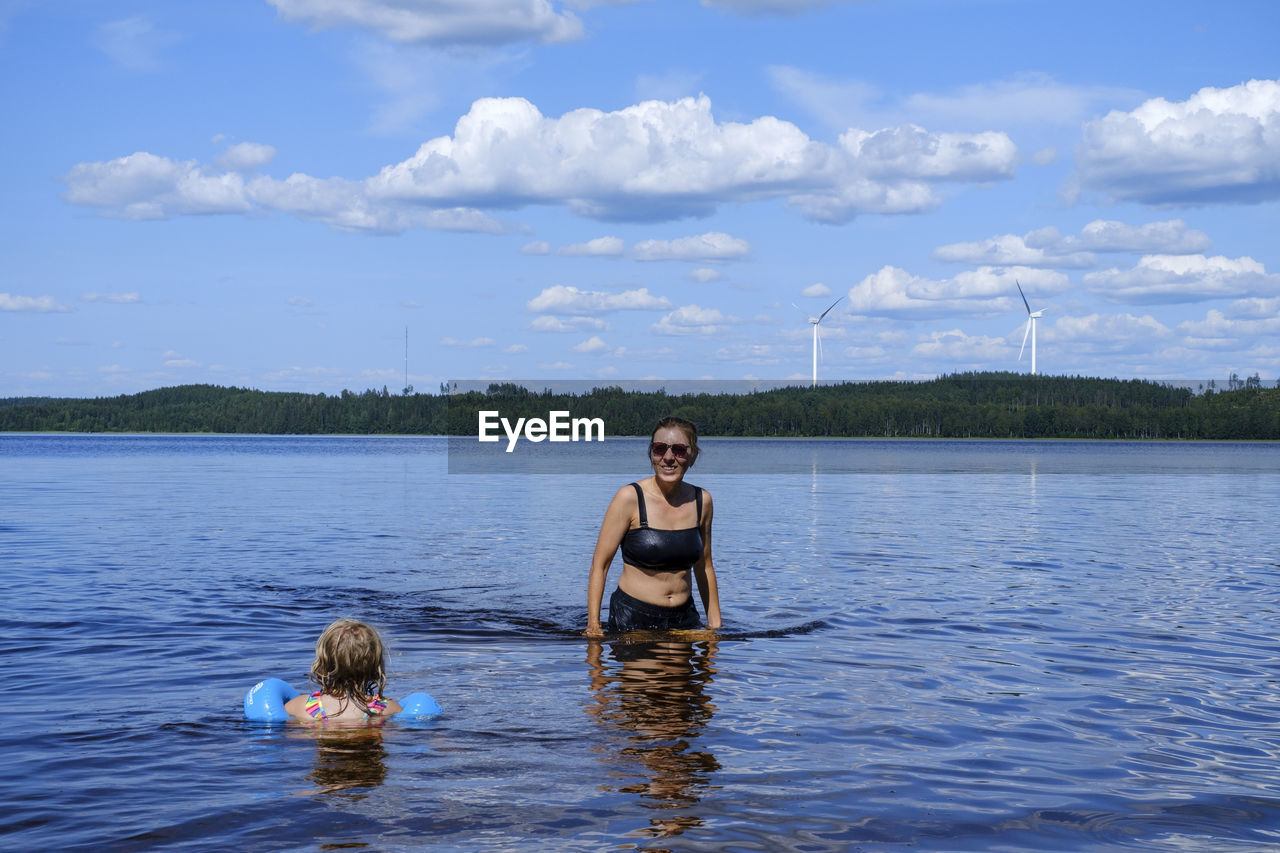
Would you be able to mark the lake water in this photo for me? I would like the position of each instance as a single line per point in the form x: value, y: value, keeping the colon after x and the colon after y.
x: 940, y: 645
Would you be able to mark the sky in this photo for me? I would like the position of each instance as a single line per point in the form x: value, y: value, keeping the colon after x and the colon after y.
x: 319, y: 195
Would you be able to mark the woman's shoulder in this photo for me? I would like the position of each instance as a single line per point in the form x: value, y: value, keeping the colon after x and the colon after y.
x: 706, y: 500
x: 627, y: 493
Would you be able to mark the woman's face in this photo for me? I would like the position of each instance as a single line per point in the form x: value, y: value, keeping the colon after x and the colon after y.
x: 671, y: 464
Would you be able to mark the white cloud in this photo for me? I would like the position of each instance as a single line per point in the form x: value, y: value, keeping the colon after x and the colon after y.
x: 712, y: 246
x: 116, y: 298
x: 659, y: 160
x: 1046, y: 247
x: 768, y: 7
x: 1256, y: 308
x: 1026, y: 98
x: 1045, y: 156
x: 547, y: 323
x: 671, y: 86
x: 600, y: 247
x: 246, y: 156
x: 956, y: 346
x: 649, y: 162
x: 344, y: 205
x: 1220, y: 331
x: 1032, y: 98
x: 818, y: 289
x: 693, y: 320
x: 876, y: 347
x: 474, y: 342
x: 749, y: 353
x: 1106, y: 332
x: 405, y: 81
x: 440, y: 22
x: 894, y: 292
x: 181, y: 362
x: 30, y: 304
x: 1171, y: 237
x: 133, y: 43
x: 1008, y: 250
x: 892, y: 170
x: 1219, y: 145
x: 515, y: 349
x: 592, y: 4
x: 912, y: 153
x: 144, y: 186
x: 865, y: 353
x: 1184, y: 278
x: 537, y: 247
x: 566, y: 299
x: 592, y: 344
x: 704, y: 275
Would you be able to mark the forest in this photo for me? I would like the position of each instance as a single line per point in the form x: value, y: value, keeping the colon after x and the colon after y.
x: 969, y: 405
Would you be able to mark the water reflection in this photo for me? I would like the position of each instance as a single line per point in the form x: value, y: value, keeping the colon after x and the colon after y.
x: 651, y: 697
x: 349, y: 760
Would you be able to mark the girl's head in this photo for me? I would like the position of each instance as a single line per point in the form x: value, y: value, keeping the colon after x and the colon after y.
x: 351, y: 662
x: 677, y: 438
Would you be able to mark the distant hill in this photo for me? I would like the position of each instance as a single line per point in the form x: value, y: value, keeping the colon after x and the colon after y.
x: 970, y: 405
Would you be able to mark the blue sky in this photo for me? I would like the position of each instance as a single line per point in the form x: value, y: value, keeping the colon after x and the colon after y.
x: 268, y: 193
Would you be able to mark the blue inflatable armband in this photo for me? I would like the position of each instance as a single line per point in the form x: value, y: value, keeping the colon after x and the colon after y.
x: 419, y: 705
x: 264, y: 703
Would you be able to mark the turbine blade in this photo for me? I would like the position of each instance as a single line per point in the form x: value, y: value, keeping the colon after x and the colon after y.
x: 1024, y: 338
x: 1023, y: 295
x: 828, y: 311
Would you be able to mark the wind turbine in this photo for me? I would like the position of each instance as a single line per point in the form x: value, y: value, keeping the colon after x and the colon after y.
x: 816, y: 321
x: 1032, y: 316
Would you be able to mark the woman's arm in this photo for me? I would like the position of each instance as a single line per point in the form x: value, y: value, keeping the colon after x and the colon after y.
x: 704, y: 571
x: 617, y: 518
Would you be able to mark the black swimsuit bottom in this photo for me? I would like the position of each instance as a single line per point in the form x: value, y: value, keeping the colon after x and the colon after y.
x: 628, y: 613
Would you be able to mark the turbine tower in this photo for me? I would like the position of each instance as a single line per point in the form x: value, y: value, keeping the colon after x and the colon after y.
x: 817, y: 321
x: 1032, y: 316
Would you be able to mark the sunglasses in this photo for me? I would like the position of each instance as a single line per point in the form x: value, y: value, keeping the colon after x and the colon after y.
x: 658, y: 450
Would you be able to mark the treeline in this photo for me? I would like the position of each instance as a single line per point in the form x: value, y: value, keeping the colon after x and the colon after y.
x: 975, y: 405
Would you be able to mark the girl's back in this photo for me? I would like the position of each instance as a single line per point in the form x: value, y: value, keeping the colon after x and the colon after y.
x: 320, y: 706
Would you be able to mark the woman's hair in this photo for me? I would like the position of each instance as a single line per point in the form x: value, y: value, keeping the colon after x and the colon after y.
x: 687, y: 427
x: 351, y: 662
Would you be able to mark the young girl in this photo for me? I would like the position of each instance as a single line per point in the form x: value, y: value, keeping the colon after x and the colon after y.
x: 350, y: 670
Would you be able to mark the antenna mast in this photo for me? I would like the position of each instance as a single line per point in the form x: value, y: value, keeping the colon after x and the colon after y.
x: 408, y: 389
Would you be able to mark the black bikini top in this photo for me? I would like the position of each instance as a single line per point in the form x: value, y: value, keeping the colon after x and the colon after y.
x: 649, y: 548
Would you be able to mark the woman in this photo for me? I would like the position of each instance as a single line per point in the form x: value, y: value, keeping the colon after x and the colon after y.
x: 663, y: 526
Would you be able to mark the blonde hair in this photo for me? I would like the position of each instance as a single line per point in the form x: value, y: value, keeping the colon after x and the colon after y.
x: 351, y: 662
